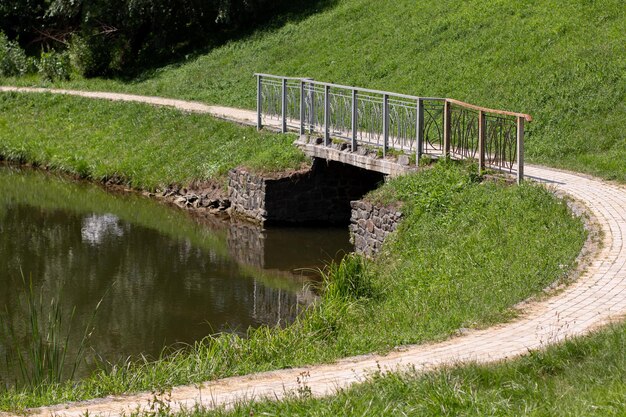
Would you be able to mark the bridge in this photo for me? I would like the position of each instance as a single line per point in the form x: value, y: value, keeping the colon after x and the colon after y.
x: 388, y: 132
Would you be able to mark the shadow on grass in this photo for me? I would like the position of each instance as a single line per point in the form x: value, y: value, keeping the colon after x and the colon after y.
x: 289, y: 12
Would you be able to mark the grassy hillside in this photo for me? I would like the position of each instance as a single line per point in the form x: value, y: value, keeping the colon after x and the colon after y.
x: 143, y: 146
x: 562, y: 62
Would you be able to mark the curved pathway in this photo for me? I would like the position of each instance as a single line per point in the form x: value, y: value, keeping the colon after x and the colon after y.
x: 596, y: 298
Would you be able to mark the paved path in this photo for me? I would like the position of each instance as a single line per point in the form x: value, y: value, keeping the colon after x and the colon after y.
x: 597, y: 297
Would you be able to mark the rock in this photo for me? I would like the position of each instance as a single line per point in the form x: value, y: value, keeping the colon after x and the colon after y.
x: 213, y: 203
x: 404, y: 160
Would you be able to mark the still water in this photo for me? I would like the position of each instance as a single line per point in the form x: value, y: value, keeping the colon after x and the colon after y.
x: 163, y: 277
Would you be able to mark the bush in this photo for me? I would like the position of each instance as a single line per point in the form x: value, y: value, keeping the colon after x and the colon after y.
x: 13, y: 61
x: 87, y: 57
x: 54, y: 65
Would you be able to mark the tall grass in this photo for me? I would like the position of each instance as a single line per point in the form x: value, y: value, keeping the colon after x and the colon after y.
x: 38, y: 344
x: 347, y: 279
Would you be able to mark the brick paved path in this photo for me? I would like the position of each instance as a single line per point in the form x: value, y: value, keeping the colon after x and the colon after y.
x: 597, y: 297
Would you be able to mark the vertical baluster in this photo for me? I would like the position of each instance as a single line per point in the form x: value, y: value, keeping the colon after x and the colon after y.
x: 520, y: 149
x: 259, y: 121
x: 419, y: 137
x: 385, y: 123
x: 283, y: 106
x: 326, y: 115
x: 312, y: 107
x: 482, y: 124
x: 302, y: 107
x: 355, y: 115
x: 446, y: 128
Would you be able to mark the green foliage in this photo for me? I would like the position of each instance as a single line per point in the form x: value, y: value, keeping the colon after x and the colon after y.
x: 119, y: 35
x: 348, y: 279
x: 13, y: 59
x: 86, y: 59
x: 54, y: 66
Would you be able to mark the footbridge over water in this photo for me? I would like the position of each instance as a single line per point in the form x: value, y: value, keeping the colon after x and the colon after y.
x: 358, y: 136
x: 389, y: 132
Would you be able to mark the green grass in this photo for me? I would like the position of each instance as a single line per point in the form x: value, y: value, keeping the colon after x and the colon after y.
x: 465, y: 254
x: 144, y: 146
x: 562, y: 62
x: 581, y: 377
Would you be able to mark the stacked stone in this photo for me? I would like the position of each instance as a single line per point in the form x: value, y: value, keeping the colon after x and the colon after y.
x: 246, y: 193
x: 370, y: 225
x: 319, y: 195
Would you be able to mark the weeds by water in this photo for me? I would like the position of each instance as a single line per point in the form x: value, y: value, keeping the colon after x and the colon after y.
x: 40, y: 354
x: 347, y: 279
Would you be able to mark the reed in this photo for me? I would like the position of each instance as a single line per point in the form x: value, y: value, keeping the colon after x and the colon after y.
x: 38, y: 342
x: 347, y: 279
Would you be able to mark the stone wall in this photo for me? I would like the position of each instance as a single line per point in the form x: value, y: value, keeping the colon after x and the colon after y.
x: 246, y: 192
x: 370, y: 225
x: 319, y: 195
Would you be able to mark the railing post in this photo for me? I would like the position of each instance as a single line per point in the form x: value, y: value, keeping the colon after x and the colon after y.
x: 419, y: 125
x: 355, y: 115
x: 326, y: 115
x: 482, y: 124
x: 312, y: 115
x: 302, y: 103
x: 520, y: 149
x: 446, y: 128
x: 385, y: 123
x: 283, y: 110
x: 259, y: 119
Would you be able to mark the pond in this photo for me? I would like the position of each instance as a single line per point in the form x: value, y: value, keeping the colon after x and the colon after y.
x: 164, y: 277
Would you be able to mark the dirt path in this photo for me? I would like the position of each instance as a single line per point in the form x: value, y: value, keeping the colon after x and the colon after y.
x: 597, y: 297
x: 246, y: 117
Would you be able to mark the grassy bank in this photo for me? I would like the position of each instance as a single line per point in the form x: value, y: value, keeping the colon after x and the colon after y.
x: 562, y: 62
x: 582, y: 377
x: 466, y: 253
x: 140, y: 145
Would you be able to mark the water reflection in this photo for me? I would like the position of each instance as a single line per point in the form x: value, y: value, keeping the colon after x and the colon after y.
x: 167, y: 279
x: 97, y: 226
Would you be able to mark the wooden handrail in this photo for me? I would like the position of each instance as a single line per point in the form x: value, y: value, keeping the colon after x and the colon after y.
x: 527, y: 117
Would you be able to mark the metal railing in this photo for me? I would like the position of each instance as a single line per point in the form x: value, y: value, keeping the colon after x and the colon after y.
x: 437, y: 127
